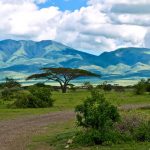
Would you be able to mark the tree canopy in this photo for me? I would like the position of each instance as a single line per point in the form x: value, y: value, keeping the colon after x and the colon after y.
x: 62, y: 75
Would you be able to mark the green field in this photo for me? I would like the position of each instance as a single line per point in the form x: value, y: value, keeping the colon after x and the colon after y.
x: 57, y: 134
x: 69, y: 100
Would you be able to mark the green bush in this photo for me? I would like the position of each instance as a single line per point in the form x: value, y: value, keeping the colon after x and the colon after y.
x: 135, y: 127
x: 35, y: 98
x: 142, y: 86
x: 9, y: 88
x: 25, y: 99
x: 142, y: 133
x: 107, y: 87
x: 97, y: 116
x: 93, y: 136
x: 72, y: 87
x: 88, y: 85
x: 11, y: 83
x: 6, y: 94
x: 148, y: 85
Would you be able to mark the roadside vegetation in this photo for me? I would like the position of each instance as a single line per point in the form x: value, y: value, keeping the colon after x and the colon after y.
x: 104, y: 121
x: 107, y: 116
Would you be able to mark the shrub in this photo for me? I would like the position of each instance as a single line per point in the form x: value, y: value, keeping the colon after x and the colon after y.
x: 136, y: 128
x: 142, y: 132
x: 35, y: 98
x: 97, y: 116
x: 72, y: 87
x: 93, y: 136
x: 11, y: 83
x: 99, y: 86
x: 88, y: 85
x: 148, y: 85
x: 39, y: 85
x: 140, y: 87
x: 6, y: 94
x: 107, y: 87
x: 119, y: 88
x: 24, y: 99
x: 128, y: 124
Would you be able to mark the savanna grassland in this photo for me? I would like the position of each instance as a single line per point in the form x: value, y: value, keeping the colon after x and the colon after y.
x: 56, y: 134
x: 69, y: 100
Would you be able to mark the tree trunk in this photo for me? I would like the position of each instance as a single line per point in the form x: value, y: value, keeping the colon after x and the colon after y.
x: 64, y: 89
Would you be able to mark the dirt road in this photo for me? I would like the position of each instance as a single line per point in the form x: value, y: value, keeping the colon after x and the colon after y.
x: 16, y: 134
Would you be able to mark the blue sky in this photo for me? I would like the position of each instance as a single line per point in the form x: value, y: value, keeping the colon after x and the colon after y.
x: 63, y: 5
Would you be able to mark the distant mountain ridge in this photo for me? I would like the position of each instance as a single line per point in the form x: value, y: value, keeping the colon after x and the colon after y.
x: 128, y: 56
x: 21, y: 58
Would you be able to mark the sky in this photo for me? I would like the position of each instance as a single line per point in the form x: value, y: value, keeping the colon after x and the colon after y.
x: 92, y: 26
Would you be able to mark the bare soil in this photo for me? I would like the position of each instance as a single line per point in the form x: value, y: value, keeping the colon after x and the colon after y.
x: 16, y: 134
x: 134, y: 106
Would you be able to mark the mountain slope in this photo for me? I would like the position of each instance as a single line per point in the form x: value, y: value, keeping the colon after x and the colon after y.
x: 21, y: 58
x: 128, y: 56
x: 30, y: 53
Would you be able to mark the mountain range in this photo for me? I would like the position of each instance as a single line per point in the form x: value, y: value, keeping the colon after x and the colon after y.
x: 21, y: 58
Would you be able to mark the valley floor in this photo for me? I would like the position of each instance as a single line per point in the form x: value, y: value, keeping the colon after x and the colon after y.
x: 50, y: 128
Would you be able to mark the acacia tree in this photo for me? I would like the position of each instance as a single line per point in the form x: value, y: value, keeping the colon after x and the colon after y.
x: 62, y: 75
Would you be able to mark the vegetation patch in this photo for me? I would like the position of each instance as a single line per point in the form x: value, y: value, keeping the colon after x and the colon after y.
x: 37, y: 97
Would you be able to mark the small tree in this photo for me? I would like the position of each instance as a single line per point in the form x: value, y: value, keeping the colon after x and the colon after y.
x: 106, y: 86
x: 62, y: 75
x: 9, y: 87
x: 140, y: 87
x: 148, y: 85
x: 11, y: 83
x: 98, y: 116
x: 96, y: 112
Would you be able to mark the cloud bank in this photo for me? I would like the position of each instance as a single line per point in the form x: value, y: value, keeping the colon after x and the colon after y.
x: 103, y: 25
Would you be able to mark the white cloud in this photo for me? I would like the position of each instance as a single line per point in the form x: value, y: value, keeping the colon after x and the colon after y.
x: 100, y: 26
x: 23, y: 1
x: 95, y: 2
x: 147, y: 39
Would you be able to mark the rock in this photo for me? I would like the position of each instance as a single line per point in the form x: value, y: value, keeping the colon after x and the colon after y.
x: 70, y: 141
x: 67, y: 146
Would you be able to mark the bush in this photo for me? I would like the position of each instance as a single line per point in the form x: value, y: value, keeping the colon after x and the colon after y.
x: 128, y: 124
x: 93, y: 136
x: 39, y: 85
x: 6, y: 94
x: 8, y: 88
x: 88, y: 85
x: 11, y: 83
x: 142, y: 86
x: 136, y: 128
x: 97, y: 116
x: 148, y: 85
x: 119, y: 88
x: 107, y: 87
x: 24, y: 99
x: 142, y: 133
x: 72, y: 87
x: 35, y: 98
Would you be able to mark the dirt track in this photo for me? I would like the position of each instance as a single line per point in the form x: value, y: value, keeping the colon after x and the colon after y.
x: 16, y: 134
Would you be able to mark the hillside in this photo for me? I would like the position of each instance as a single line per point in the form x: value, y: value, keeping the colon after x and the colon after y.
x: 21, y: 58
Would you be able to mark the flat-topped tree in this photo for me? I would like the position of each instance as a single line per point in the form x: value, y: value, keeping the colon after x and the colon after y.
x: 62, y: 75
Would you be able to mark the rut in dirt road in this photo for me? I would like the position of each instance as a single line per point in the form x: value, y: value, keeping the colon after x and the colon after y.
x: 16, y: 134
